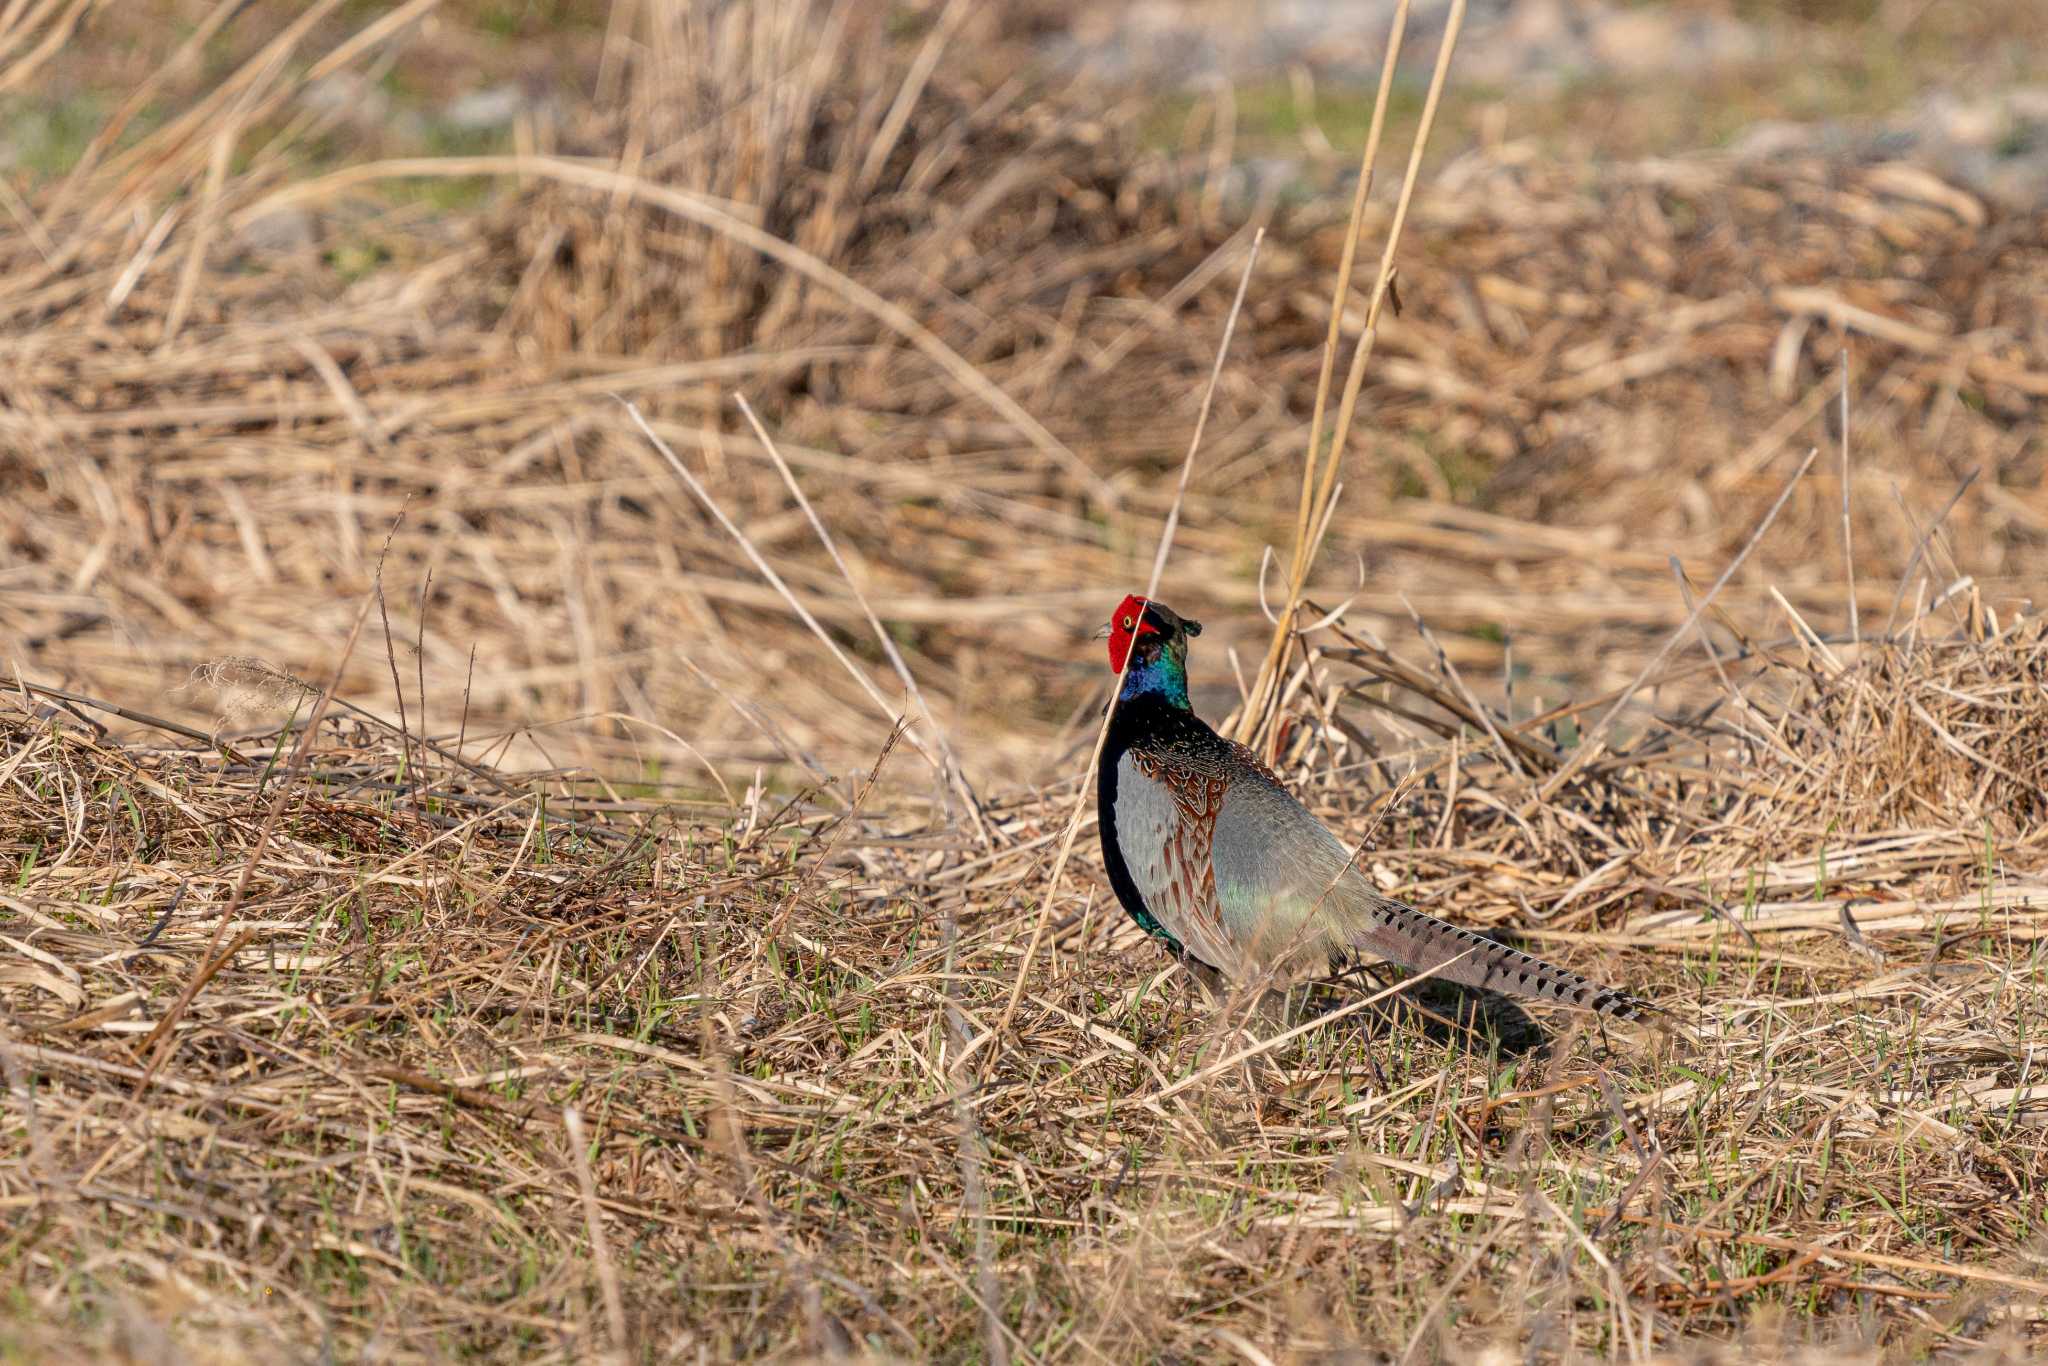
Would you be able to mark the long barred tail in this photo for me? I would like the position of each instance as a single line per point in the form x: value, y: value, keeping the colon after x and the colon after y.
x: 1408, y: 937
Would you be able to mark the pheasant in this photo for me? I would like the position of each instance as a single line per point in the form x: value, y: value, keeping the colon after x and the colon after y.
x: 1211, y: 855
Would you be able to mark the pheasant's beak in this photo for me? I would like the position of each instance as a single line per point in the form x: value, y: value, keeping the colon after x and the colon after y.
x: 1103, y: 632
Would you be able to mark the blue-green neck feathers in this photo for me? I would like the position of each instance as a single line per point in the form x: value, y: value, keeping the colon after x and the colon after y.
x: 1164, y: 674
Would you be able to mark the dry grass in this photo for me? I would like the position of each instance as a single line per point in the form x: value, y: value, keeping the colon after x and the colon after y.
x: 302, y: 1024
x: 358, y: 1131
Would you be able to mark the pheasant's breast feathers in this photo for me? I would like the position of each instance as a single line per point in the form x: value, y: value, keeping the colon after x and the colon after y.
x: 1166, y: 825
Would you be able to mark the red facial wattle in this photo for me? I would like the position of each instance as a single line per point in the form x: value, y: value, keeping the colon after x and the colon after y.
x: 1128, y: 624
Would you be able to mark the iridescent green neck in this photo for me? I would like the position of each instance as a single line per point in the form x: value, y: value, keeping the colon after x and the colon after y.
x: 1164, y: 675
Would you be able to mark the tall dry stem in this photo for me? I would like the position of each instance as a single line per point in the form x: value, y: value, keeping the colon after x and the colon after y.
x: 1320, y: 466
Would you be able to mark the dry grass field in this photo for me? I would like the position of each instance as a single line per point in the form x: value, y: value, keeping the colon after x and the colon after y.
x: 468, y: 891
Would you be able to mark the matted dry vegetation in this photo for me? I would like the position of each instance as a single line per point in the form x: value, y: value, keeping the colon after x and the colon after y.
x: 621, y: 990
x: 414, y: 971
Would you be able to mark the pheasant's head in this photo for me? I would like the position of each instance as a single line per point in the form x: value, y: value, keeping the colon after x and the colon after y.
x: 1151, y: 635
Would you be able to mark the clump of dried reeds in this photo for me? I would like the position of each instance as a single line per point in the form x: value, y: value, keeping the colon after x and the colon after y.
x: 1927, y: 733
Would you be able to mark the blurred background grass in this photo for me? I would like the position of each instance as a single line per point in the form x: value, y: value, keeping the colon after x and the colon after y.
x: 1171, y: 126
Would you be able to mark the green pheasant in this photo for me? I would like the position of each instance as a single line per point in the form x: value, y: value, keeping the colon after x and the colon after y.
x: 1210, y: 854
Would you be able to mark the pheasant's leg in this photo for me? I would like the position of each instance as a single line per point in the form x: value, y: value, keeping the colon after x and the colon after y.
x: 1207, y: 978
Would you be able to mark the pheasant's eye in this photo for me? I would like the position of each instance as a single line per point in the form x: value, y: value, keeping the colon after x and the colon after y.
x: 1127, y: 623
